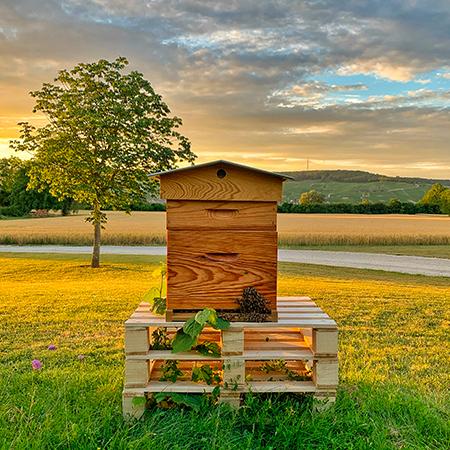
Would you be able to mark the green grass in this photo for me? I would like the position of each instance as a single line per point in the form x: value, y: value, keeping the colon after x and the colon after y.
x: 394, y: 355
x: 343, y: 192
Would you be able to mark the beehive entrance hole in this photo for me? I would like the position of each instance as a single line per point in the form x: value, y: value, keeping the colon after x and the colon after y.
x: 221, y: 173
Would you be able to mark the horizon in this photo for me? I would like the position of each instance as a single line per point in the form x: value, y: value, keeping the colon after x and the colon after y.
x: 268, y: 84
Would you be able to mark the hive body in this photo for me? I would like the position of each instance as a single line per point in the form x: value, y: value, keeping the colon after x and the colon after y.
x: 221, y: 235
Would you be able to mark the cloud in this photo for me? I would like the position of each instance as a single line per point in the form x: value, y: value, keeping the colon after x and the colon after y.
x: 247, y: 77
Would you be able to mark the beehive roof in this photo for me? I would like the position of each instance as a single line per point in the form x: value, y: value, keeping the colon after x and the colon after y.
x: 223, y: 162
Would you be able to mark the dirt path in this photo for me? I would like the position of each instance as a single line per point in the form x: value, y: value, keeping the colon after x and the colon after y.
x: 391, y: 263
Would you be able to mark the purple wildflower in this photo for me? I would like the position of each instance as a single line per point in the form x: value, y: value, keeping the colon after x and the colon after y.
x: 51, y: 347
x: 81, y: 357
x: 36, y: 364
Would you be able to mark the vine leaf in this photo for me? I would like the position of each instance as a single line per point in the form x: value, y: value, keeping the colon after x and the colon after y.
x: 183, y: 342
x: 204, y: 316
x: 208, y: 349
x: 193, y: 328
x: 221, y: 324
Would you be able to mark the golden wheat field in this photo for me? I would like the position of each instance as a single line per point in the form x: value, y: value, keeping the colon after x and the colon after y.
x: 148, y: 228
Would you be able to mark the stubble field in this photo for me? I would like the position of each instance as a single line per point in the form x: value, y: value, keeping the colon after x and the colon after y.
x: 148, y: 228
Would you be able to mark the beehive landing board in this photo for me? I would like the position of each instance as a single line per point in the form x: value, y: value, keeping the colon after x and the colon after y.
x: 305, y: 337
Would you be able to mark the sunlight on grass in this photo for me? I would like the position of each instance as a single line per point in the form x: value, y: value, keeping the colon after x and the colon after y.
x: 394, y: 354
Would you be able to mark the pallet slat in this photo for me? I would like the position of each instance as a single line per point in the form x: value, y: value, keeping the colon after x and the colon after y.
x: 253, y: 355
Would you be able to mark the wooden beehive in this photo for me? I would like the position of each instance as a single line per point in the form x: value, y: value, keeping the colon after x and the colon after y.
x: 221, y: 235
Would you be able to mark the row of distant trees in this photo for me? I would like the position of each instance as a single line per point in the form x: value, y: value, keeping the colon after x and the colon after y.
x: 17, y: 200
x: 435, y: 201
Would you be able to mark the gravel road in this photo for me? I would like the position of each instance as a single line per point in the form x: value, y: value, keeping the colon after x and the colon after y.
x: 391, y: 263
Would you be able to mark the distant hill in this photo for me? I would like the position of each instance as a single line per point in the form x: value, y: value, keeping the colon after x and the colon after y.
x: 352, y: 186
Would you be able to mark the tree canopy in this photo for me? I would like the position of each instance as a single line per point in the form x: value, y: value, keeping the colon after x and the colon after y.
x: 107, y: 130
x: 311, y: 197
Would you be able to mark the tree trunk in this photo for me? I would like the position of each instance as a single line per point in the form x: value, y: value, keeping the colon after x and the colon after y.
x: 96, y: 249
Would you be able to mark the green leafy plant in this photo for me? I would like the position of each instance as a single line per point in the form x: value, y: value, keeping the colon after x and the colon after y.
x: 186, y: 337
x: 280, y: 365
x: 161, y: 340
x: 171, y: 371
x: 155, y: 296
x: 207, y: 374
x: 196, y: 402
x: 208, y: 349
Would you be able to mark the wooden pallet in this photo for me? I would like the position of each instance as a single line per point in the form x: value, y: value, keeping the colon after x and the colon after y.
x: 304, y: 336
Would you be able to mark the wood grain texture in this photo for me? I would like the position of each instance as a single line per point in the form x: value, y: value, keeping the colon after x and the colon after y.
x: 203, y: 184
x: 211, y: 268
x: 214, y: 215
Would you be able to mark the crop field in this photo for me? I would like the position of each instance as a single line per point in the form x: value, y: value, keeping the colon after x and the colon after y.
x: 347, y: 192
x: 394, y: 363
x: 148, y: 228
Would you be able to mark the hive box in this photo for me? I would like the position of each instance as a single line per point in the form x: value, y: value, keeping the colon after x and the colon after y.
x: 221, y: 235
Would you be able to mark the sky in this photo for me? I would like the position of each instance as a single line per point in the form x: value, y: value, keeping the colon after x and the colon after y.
x: 348, y: 84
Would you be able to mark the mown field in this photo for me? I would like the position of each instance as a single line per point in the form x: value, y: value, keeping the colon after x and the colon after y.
x: 148, y: 228
x: 394, y: 353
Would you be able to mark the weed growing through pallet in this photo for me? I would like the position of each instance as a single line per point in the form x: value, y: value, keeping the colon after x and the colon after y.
x: 206, y: 373
x: 171, y: 371
x: 280, y: 365
x: 208, y: 349
x: 161, y: 340
x: 155, y: 296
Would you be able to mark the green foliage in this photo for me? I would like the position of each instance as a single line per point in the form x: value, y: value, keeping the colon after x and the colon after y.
x: 438, y: 196
x: 9, y: 169
x: 311, y: 197
x: 195, y: 402
x: 433, y: 195
x: 16, y: 198
x: 367, y: 207
x: 208, y: 349
x: 280, y: 365
x: 171, y: 371
x: 445, y: 202
x: 186, y: 337
x: 155, y: 296
x: 207, y: 374
x: 160, y: 339
x: 107, y: 131
x: 183, y: 342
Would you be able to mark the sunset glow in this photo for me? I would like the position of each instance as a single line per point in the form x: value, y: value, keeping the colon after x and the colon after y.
x: 354, y: 85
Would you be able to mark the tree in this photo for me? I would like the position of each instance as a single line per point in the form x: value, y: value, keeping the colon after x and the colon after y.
x: 445, y: 202
x: 433, y: 195
x: 107, y: 131
x: 311, y: 197
x: 9, y: 169
x: 22, y: 199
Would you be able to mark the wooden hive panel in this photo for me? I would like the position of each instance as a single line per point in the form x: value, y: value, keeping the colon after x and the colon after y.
x: 214, y: 215
x: 203, y: 183
x: 211, y: 269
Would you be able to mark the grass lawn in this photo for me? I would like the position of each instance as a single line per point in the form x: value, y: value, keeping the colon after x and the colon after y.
x: 394, y: 353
